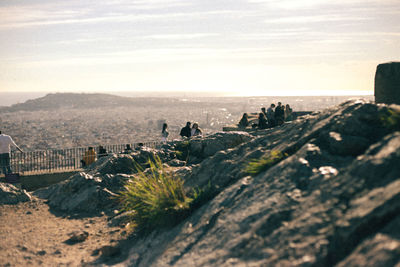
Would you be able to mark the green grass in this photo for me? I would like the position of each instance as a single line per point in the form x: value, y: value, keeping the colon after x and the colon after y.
x: 157, y: 197
x: 262, y: 164
x: 391, y: 119
x: 182, y: 150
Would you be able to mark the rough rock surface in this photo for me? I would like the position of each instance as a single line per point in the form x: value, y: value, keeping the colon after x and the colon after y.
x: 94, y: 190
x: 334, y: 199
x: 9, y: 194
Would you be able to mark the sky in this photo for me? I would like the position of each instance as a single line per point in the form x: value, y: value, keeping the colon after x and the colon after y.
x: 239, y: 47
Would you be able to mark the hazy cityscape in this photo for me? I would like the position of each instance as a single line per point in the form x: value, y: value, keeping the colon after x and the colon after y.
x: 52, y: 123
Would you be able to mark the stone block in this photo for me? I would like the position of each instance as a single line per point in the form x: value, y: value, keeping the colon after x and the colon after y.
x: 387, y: 83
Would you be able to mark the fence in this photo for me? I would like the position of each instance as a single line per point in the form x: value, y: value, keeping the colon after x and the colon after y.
x: 62, y: 159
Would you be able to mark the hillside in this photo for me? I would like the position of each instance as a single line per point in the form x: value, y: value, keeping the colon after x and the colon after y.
x: 80, y: 101
x: 324, y: 190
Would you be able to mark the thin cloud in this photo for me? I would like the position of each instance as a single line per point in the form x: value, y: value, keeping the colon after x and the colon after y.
x: 180, y: 36
x: 41, y: 18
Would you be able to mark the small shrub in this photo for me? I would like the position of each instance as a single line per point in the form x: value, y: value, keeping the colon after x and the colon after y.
x: 257, y: 166
x: 182, y: 150
x: 391, y: 119
x: 158, y: 198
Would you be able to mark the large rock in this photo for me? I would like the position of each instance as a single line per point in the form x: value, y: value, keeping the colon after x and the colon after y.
x: 9, y: 194
x: 387, y: 83
x: 333, y: 199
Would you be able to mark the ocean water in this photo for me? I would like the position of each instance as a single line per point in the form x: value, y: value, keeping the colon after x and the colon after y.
x: 11, y: 98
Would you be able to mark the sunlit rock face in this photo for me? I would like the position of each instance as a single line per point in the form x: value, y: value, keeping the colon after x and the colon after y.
x: 387, y: 83
x: 332, y: 199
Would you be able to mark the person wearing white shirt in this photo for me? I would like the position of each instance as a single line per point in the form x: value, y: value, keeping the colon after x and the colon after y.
x: 5, y: 150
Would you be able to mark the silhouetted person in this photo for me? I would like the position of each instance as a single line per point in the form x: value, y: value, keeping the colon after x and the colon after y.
x: 102, y: 152
x: 288, y: 113
x: 262, y: 121
x: 279, y: 114
x: 196, y: 131
x: 186, y: 131
x: 89, y: 157
x: 263, y: 111
x: 164, y: 133
x: 5, y: 150
x: 128, y: 149
x: 244, y: 121
x: 271, y: 115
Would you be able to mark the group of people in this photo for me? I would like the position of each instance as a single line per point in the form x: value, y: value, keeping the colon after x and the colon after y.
x: 90, y: 154
x: 268, y: 118
x: 186, y: 132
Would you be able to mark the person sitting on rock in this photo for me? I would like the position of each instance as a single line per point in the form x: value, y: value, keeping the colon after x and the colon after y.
x: 262, y: 121
x: 128, y: 149
x: 196, y: 131
x: 244, y: 121
x: 186, y: 131
x: 263, y: 111
x: 288, y: 113
x: 102, y: 152
x: 89, y: 157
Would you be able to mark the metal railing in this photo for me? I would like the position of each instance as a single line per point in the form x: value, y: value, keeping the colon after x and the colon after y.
x: 68, y: 159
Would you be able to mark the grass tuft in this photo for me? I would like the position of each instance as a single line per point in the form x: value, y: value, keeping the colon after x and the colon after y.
x: 262, y: 164
x: 391, y: 119
x: 157, y: 197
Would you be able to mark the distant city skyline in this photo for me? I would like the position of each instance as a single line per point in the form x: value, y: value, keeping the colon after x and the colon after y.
x: 243, y: 47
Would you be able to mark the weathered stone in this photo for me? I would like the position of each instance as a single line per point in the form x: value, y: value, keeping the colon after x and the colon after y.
x: 110, y: 250
x: 121, y: 219
x: 331, y: 199
x: 9, y: 194
x: 77, y: 237
x: 387, y: 83
x: 324, y: 203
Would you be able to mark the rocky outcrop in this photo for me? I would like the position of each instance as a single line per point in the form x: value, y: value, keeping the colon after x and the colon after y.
x: 94, y: 190
x: 333, y: 199
x: 387, y: 83
x: 9, y: 194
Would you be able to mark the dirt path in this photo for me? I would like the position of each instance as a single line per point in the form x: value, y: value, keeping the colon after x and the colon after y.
x: 30, y: 235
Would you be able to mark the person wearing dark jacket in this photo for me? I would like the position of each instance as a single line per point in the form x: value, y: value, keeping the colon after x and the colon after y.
x: 262, y: 121
x: 279, y: 114
x: 186, y: 131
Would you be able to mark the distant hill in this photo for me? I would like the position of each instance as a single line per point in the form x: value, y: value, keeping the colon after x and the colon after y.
x: 74, y: 100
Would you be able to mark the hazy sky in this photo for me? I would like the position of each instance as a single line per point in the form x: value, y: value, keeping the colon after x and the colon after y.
x: 249, y: 47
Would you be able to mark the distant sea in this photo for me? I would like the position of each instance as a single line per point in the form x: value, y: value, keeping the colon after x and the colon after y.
x: 11, y: 98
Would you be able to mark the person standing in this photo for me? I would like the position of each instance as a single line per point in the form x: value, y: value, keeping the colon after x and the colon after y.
x: 164, y: 133
x: 5, y: 149
x: 271, y: 115
x: 279, y: 114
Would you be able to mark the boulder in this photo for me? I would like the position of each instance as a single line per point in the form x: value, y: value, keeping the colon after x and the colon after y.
x: 85, y: 193
x: 10, y: 194
x: 387, y: 83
